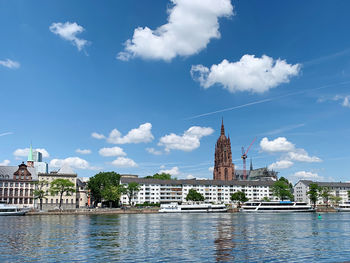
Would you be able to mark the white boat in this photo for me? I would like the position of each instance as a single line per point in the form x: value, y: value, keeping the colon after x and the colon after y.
x: 8, y: 210
x: 345, y: 207
x: 276, y: 207
x: 192, y: 208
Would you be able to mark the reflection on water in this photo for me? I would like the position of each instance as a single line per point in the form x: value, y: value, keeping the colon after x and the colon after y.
x: 176, y: 237
x: 224, y: 242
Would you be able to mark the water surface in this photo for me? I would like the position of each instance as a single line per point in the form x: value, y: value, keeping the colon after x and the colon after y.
x: 176, y: 238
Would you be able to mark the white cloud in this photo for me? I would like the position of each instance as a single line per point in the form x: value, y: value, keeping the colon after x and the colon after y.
x: 307, y: 175
x: 5, y: 163
x: 173, y: 171
x: 83, y: 151
x: 113, y: 151
x: 189, y: 141
x: 98, y: 136
x: 280, y: 144
x: 251, y: 74
x: 74, y: 162
x: 138, y: 135
x: 301, y: 155
x: 346, y: 102
x: 153, y: 151
x: 283, y: 164
x: 211, y: 169
x: 191, y: 25
x: 8, y: 63
x: 190, y: 177
x: 69, y: 31
x: 124, y: 162
x: 24, y: 152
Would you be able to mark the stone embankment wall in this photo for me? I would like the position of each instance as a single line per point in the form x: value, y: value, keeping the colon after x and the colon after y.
x: 98, y: 211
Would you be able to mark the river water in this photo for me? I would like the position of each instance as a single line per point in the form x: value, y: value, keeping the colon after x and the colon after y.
x: 176, y: 238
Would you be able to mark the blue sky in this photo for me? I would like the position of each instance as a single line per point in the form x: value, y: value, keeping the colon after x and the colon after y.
x: 276, y: 71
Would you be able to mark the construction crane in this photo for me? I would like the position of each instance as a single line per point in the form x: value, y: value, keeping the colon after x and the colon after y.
x: 244, y: 157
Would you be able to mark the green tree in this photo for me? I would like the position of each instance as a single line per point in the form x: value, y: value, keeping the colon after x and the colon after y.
x: 266, y: 199
x: 130, y: 190
x: 193, y: 195
x: 61, y: 186
x: 313, y: 193
x: 335, y: 199
x: 325, y: 193
x: 349, y: 195
x: 100, y: 182
x: 112, y: 194
x: 161, y: 176
x: 39, y: 193
x: 239, y: 197
x: 282, y: 189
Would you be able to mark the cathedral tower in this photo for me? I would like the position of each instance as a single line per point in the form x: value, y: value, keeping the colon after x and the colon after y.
x: 223, y: 167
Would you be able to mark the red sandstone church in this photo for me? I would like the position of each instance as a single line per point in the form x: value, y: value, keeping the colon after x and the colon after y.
x: 224, y: 169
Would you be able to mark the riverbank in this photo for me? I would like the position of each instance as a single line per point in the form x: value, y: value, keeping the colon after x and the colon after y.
x: 96, y: 211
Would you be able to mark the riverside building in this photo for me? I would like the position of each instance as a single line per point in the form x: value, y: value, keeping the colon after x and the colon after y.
x: 214, y: 191
x: 336, y: 188
x: 52, y: 201
x: 16, y: 185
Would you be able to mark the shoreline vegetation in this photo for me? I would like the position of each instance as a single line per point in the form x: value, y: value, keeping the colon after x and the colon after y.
x: 113, y: 211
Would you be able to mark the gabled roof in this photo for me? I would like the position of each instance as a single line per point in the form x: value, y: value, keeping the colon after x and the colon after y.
x: 66, y: 169
x: 6, y: 172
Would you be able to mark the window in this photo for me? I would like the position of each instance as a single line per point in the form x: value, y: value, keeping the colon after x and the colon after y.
x: 56, y: 201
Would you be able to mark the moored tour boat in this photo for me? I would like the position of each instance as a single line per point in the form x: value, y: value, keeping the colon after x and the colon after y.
x: 345, y: 207
x: 276, y: 207
x: 192, y: 208
x: 8, y: 210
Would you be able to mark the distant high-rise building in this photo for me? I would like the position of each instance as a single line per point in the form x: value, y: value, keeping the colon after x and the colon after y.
x: 37, y: 156
x: 223, y: 167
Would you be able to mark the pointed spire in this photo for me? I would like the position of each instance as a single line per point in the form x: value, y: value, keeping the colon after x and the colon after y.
x: 222, y: 127
x: 30, y: 154
x: 251, y: 164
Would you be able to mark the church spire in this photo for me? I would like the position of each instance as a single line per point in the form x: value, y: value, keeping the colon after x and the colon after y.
x: 222, y: 127
x: 30, y: 160
x: 30, y: 154
x: 251, y: 164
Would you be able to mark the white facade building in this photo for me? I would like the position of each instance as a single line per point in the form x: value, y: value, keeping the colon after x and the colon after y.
x: 336, y: 189
x: 214, y: 191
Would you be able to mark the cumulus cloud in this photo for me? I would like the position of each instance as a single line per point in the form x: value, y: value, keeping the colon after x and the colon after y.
x: 124, y: 162
x: 24, y: 152
x: 301, y: 155
x: 307, y: 175
x: 113, y: 151
x: 173, y: 171
x: 98, y: 136
x: 250, y: 73
x: 344, y: 100
x: 138, y: 135
x: 83, y: 151
x: 8, y: 63
x: 283, y: 164
x: 74, y: 162
x: 188, y: 141
x: 191, y: 25
x: 211, y: 169
x: 290, y: 153
x: 280, y: 144
x: 5, y: 163
x: 153, y: 151
x: 69, y: 31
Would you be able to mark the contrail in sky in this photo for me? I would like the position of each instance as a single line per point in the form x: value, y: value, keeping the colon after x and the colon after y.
x: 264, y: 100
x: 5, y: 133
